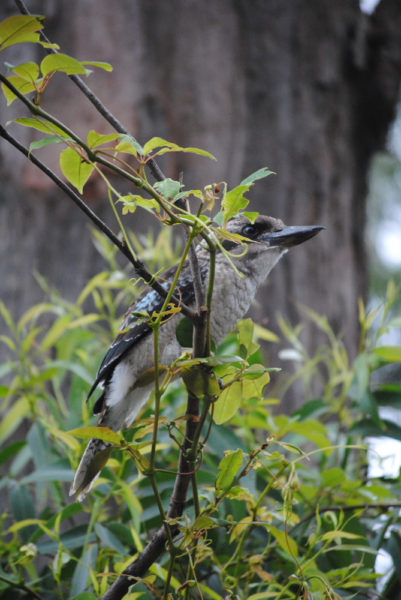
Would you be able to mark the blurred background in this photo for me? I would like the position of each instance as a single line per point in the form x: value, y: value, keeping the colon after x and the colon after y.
x: 309, y: 88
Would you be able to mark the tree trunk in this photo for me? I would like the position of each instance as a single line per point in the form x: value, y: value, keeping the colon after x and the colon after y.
x: 307, y: 87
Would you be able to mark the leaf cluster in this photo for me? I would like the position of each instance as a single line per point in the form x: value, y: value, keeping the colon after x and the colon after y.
x: 286, y: 505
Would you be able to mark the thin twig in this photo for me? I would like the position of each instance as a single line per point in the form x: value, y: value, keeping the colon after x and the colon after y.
x: 137, y: 264
x: 97, y: 103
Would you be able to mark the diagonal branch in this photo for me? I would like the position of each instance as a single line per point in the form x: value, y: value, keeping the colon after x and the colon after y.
x: 97, y: 103
x: 138, y: 265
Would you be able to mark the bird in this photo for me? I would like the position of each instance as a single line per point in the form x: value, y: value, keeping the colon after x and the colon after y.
x: 131, y: 354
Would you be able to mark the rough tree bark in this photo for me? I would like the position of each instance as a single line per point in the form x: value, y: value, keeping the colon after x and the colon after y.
x: 307, y: 87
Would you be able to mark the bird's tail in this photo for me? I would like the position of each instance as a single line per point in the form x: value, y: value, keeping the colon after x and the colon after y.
x: 92, y: 462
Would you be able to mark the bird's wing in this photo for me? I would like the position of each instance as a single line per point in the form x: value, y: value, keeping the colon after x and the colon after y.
x: 133, y: 326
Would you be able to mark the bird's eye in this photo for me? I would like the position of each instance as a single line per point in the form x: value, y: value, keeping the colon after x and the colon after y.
x: 249, y: 231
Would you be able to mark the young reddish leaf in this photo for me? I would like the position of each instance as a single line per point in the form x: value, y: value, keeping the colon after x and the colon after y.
x: 74, y: 168
x: 228, y: 468
x: 100, y: 433
x: 61, y: 62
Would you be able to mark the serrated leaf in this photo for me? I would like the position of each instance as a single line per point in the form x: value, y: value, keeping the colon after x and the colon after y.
x: 63, y: 63
x: 228, y: 468
x: 259, y: 174
x: 100, y: 433
x: 74, y: 168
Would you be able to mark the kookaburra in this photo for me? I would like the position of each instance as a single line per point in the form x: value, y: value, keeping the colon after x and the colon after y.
x: 132, y: 352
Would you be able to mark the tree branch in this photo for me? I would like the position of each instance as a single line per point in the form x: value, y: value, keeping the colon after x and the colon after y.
x: 138, y: 265
x: 97, y: 103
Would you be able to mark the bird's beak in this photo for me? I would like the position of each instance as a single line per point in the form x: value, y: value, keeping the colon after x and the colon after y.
x: 291, y: 236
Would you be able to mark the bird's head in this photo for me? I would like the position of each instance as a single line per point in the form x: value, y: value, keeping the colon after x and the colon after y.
x: 266, y: 240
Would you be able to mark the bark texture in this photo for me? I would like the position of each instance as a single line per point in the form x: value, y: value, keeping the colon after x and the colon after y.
x: 307, y: 87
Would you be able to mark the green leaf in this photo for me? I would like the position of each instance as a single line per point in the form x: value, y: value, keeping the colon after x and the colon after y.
x: 13, y: 417
x: 129, y: 145
x: 82, y: 571
x: 11, y: 450
x: 28, y: 71
x: 61, y: 62
x: 389, y: 353
x: 234, y: 201
x: 99, y: 64
x: 44, y: 126
x: 227, y: 403
x: 250, y: 215
x: 245, y: 330
x: 45, y: 141
x: 169, y: 188
x: 109, y: 539
x: 99, y: 433
x: 49, y: 474
x: 95, y: 139
x: 184, y: 332
x: 228, y: 468
x: 332, y: 535
x: 23, y: 508
x: 74, y: 168
x: 18, y: 29
x: 284, y: 541
x: 55, y: 332
x: 158, y: 142
x: 259, y: 174
x: 21, y: 84
x: 132, y: 201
